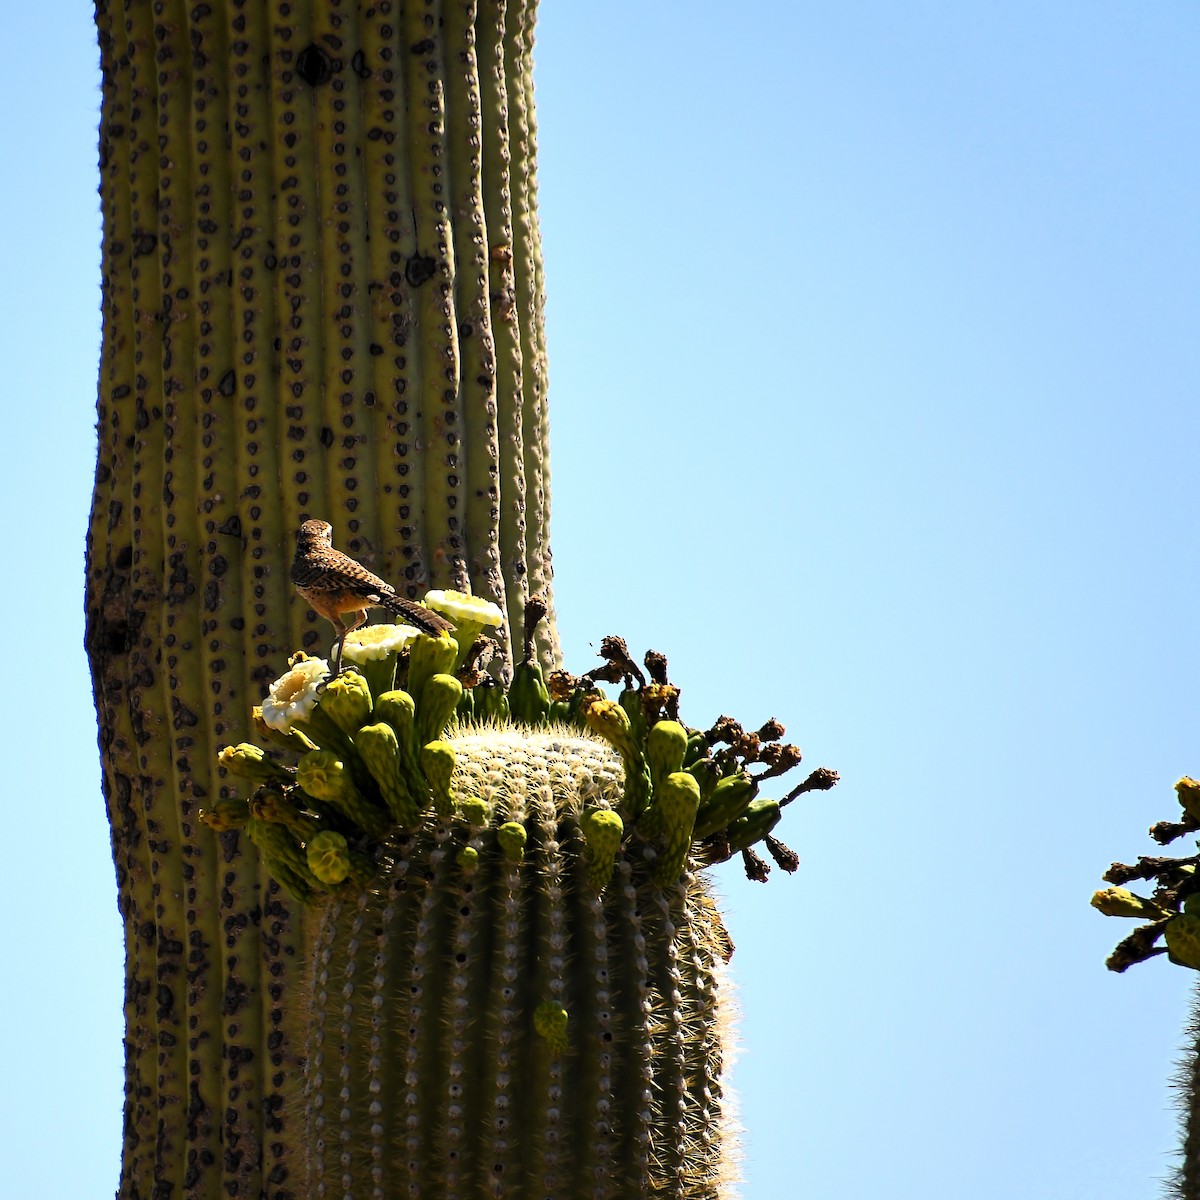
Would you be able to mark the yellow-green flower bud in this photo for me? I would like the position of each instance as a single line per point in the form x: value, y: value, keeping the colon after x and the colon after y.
x: 491, y: 702
x: 1182, y: 935
x: 630, y: 700
x: 468, y: 859
x: 474, y: 811
x: 1119, y: 902
x: 611, y: 722
x: 666, y: 744
x: 399, y: 710
x: 550, y: 1021
x: 1188, y: 791
x: 283, y: 856
x: 437, y: 763
x: 722, y: 801
x: 528, y: 696
x: 602, y: 830
x: 439, y: 698
x: 380, y: 750
x: 270, y: 804
x: 760, y: 818
x: 223, y: 815
x: 429, y: 656
x: 669, y: 822
x: 252, y: 763
x: 328, y: 857
x: 324, y: 776
x: 512, y: 838
x: 347, y: 700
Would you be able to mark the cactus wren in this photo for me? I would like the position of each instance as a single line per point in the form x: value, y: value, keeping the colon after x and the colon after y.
x: 336, y: 587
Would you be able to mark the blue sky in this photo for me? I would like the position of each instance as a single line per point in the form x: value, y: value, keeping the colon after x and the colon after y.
x: 886, y: 317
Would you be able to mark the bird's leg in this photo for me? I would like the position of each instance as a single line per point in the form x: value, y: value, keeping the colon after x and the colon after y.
x: 359, y: 618
x: 342, y: 629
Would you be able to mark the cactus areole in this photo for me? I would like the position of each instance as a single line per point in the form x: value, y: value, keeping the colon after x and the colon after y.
x: 441, y: 930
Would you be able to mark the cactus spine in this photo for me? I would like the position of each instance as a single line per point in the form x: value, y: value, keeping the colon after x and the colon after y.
x: 315, y: 302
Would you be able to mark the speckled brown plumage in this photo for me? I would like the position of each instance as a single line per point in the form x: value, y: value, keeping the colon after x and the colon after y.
x: 337, y: 587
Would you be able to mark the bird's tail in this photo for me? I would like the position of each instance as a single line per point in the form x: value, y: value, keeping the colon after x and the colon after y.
x: 417, y: 615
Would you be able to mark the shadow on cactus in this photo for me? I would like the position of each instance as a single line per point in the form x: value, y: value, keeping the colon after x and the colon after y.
x: 515, y: 965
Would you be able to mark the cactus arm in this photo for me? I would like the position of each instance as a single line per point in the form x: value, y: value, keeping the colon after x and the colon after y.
x: 427, y: 990
x: 671, y: 1107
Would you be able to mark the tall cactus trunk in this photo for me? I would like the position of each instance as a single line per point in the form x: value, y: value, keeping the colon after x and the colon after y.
x: 321, y: 297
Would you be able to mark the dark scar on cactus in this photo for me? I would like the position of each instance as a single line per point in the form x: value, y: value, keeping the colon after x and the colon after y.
x: 1173, y: 907
x: 366, y: 760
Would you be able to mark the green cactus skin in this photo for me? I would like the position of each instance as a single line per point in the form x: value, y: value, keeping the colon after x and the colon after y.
x: 760, y: 817
x: 429, y: 656
x: 439, y: 1065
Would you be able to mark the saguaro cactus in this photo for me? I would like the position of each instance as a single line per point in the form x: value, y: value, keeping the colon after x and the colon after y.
x: 322, y: 297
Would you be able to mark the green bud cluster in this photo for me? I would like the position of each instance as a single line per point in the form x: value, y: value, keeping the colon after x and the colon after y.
x: 369, y: 762
x: 1172, y: 910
